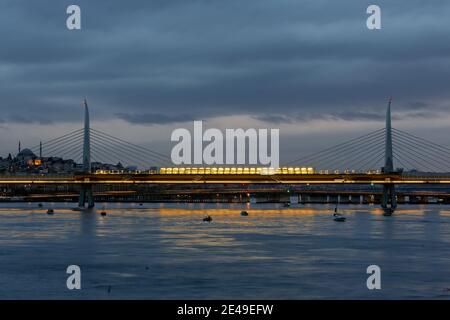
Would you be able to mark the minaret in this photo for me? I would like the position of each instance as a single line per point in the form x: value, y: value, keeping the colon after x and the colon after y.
x: 40, y: 149
x: 19, y: 147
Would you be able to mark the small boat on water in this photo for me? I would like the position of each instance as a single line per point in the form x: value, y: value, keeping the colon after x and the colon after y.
x: 286, y: 205
x: 50, y: 211
x: 77, y: 209
x: 40, y: 205
x: 244, y: 213
x: 339, y: 218
x: 103, y: 213
x: 207, y: 219
x: 388, y: 212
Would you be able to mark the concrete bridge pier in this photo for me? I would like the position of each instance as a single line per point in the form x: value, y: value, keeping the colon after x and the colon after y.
x: 86, y: 196
x: 389, y: 199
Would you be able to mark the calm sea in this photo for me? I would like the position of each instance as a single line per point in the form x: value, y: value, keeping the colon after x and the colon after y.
x: 166, y: 251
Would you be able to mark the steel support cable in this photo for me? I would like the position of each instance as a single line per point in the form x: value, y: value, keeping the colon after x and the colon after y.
x: 108, y: 155
x: 339, y: 155
x: 418, y: 161
x: 68, y: 146
x: 442, y: 160
x: 128, y: 144
x: 411, y: 164
x: 54, y: 147
x: 126, y: 150
x: 64, y: 153
x: 155, y: 153
x: 374, y: 164
x: 357, y: 150
x: 62, y: 144
x: 348, y: 151
x: 79, y: 157
x: 424, y: 140
x: 122, y: 153
x: 55, y: 140
x: 104, y: 158
x: 416, y: 157
x: 334, y: 147
x: 414, y: 147
x: 93, y: 158
x: 58, y: 138
x: 425, y: 146
x: 51, y: 150
x: 417, y: 164
x: 114, y: 159
x: 430, y: 157
x: 355, y: 160
x: 400, y: 159
x: 125, y: 158
x: 432, y: 146
x: 369, y: 155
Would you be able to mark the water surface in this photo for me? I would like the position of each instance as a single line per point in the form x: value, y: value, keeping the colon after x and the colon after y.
x: 165, y: 251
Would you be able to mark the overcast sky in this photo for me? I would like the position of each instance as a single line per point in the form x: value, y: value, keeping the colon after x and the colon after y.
x: 308, y: 67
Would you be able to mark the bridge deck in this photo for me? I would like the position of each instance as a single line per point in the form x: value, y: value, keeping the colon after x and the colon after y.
x: 226, y: 179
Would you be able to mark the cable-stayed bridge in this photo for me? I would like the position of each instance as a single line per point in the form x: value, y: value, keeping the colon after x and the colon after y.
x: 386, y: 157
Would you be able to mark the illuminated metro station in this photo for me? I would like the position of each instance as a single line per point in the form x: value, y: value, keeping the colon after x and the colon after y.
x: 230, y: 171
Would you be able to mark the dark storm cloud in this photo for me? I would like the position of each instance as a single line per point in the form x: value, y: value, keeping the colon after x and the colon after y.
x: 154, y: 118
x: 346, y: 115
x: 153, y: 61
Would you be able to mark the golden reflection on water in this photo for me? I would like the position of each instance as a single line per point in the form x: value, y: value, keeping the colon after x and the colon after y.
x: 181, y: 225
x: 420, y: 211
x: 444, y: 213
x: 234, y: 212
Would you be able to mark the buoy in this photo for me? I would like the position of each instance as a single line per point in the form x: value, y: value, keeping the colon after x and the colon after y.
x: 50, y: 211
x: 244, y: 213
x: 207, y: 219
x: 40, y: 205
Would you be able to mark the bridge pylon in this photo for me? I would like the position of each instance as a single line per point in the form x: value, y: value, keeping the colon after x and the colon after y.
x: 389, y: 200
x: 86, y: 195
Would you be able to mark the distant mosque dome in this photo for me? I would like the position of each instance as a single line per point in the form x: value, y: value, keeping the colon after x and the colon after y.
x: 26, y: 153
